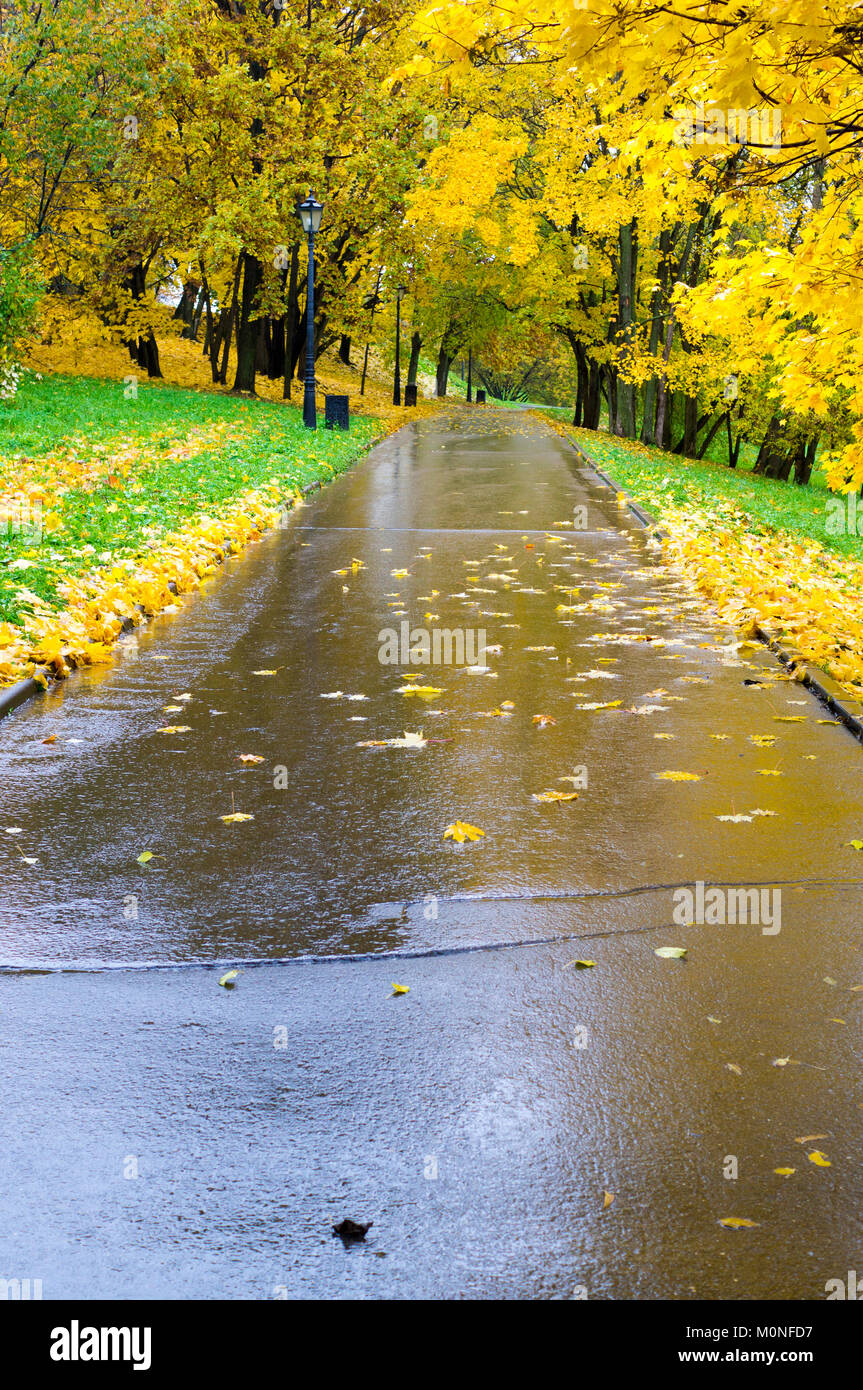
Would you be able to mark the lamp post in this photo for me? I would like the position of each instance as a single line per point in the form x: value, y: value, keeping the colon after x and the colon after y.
x: 397, y: 380
x: 310, y: 212
x: 469, y: 366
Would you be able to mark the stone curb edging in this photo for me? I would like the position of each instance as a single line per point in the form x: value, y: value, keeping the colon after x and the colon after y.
x: 827, y: 690
x: 822, y: 686
x: 15, y: 695
x: 646, y: 520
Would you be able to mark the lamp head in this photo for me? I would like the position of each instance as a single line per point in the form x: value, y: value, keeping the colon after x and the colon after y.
x: 310, y: 211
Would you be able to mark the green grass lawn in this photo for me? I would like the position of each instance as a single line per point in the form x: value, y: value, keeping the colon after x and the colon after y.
x: 89, y: 412
x: 655, y: 478
x: 717, y: 451
x: 62, y: 427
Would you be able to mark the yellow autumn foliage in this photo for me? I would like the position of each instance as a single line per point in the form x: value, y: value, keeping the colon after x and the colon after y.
x: 795, y: 590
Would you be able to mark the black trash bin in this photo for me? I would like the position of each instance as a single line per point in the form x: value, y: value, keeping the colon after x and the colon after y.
x: 336, y: 412
x: 411, y: 393
x: 480, y: 397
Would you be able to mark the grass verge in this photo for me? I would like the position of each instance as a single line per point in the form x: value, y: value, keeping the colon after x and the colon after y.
x: 760, y: 549
x: 109, y: 506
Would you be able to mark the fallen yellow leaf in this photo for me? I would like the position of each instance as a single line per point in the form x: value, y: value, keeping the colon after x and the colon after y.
x: 425, y: 692
x: 460, y: 831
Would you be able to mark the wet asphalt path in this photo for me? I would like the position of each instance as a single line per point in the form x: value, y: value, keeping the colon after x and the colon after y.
x: 166, y: 1137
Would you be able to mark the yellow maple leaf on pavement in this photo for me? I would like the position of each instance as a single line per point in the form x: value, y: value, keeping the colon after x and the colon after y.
x: 460, y: 831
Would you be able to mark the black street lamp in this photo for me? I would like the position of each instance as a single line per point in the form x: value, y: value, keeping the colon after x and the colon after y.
x: 310, y: 212
x: 397, y: 380
x: 469, y: 366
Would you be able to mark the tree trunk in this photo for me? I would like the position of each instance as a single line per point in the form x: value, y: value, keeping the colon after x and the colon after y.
x: 222, y: 336
x: 805, y: 461
x: 276, y: 363
x: 185, y: 310
x: 610, y: 375
x: 668, y: 425
x: 712, y: 432
x: 622, y: 420
x: 291, y: 320
x: 662, y: 433
x: 345, y: 349
x: 733, y: 448
x: 690, y: 426
x: 581, y: 395
x: 444, y: 362
x: 593, y: 399
x: 413, y: 364
x: 208, y: 307
x: 764, y: 453
x: 190, y: 308
x: 143, y: 350
x: 775, y: 458
x: 196, y: 316
x: 365, y: 369
x: 657, y: 303
x: 262, y: 347
x: 247, y: 325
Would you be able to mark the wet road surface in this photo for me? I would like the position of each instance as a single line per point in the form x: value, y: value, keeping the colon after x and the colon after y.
x: 480, y: 1119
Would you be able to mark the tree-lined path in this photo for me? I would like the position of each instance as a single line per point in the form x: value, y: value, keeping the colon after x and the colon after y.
x: 485, y: 1120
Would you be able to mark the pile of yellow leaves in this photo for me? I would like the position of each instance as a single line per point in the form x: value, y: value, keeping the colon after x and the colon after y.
x: 98, y: 603
x: 83, y: 464
x: 794, y: 590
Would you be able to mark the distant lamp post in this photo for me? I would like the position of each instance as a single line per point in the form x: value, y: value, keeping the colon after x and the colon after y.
x: 469, y: 367
x: 310, y: 212
x: 397, y: 379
